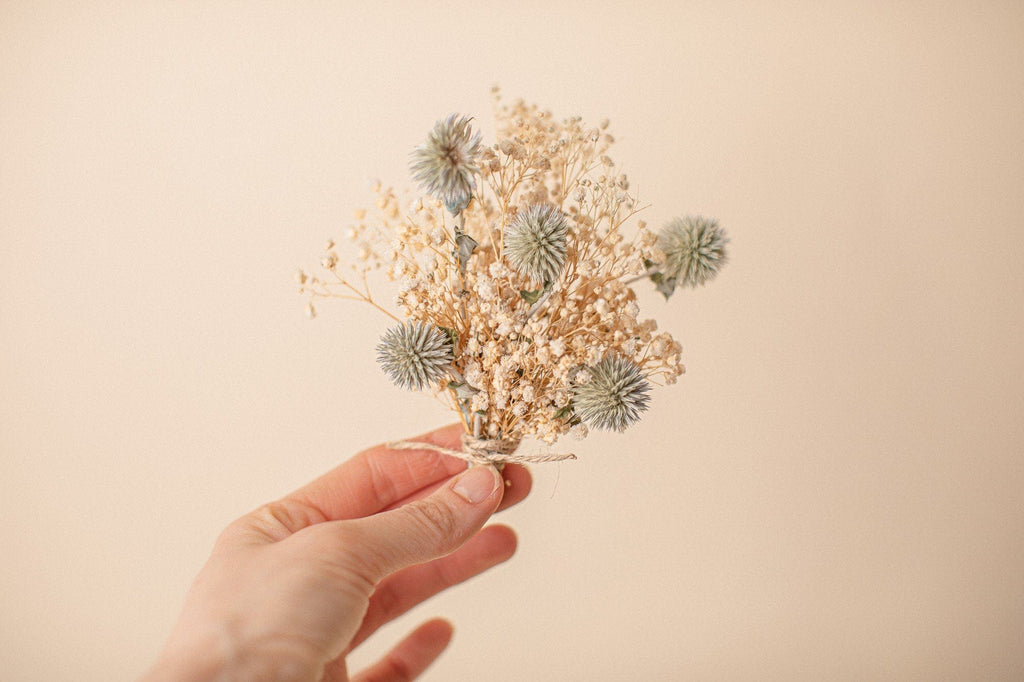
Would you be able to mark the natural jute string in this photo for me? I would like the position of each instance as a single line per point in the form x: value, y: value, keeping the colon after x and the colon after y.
x: 483, y: 451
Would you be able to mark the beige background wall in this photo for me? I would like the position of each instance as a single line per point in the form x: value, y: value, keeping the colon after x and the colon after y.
x: 833, y: 491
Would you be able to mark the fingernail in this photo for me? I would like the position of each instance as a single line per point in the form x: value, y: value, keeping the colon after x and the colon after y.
x: 477, y: 484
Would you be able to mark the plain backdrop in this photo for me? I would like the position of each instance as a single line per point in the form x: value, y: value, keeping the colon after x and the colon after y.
x: 832, y: 491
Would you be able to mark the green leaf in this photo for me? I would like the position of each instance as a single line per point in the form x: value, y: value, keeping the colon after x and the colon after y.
x: 453, y: 335
x: 564, y: 412
x: 463, y: 391
x: 531, y: 297
x: 666, y: 285
x: 466, y: 245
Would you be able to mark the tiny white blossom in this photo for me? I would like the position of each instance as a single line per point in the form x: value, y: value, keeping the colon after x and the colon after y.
x: 486, y: 289
x: 479, y: 401
x: 500, y: 401
x: 492, y: 351
x: 474, y: 375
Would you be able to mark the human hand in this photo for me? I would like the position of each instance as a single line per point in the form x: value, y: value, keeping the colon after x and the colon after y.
x: 292, y: 587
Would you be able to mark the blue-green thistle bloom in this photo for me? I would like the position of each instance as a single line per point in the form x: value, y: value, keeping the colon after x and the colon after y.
x: 446, y: 164
x: 535, y: 243
x: 614, y: 396
x: 694, y: 252
x: 415, y: 355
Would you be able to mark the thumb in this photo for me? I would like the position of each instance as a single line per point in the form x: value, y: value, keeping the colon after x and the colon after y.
x: 376, y: 546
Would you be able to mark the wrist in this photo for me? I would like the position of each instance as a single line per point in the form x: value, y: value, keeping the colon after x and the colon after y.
x: 219, y: 657
x: 197, y: 660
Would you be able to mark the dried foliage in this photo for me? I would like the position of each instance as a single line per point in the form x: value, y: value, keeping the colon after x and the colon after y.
x: 528, y: 278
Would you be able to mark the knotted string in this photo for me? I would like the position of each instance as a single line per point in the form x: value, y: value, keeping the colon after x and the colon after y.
x: 495, y: 452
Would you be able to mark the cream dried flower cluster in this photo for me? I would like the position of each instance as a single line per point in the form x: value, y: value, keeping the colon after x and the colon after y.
x: 514, y: 276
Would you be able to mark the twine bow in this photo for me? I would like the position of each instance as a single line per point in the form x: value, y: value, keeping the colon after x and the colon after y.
x: 493, y: 452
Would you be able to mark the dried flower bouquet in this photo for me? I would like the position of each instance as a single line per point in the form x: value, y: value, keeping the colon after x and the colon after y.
x: 515, y: 301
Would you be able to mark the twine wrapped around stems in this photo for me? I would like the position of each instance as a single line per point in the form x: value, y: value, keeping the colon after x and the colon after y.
x: 494, y: 452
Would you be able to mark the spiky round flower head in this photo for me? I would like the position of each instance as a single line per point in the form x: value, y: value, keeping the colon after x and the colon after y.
x: 694, y: 250
x: 535, y: 242
x: 445, y: 165
x: 614, y: 396
x: 415, y: 355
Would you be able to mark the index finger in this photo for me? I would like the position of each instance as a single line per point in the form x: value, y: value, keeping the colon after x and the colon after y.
x: 377, y: 478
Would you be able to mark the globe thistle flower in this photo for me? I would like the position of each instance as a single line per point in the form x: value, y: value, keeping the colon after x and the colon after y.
x: 614, y: 396
x: 535, y: 242
x: 694, y: 250
x: 445, y: 165
x: 415, y: 355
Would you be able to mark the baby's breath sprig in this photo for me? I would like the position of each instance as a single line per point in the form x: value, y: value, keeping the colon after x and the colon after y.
x: 514, y: 273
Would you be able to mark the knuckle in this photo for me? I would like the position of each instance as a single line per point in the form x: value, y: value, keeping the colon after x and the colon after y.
x: 435, y: 519
x: 398, y: 669
x: 280, y: 519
